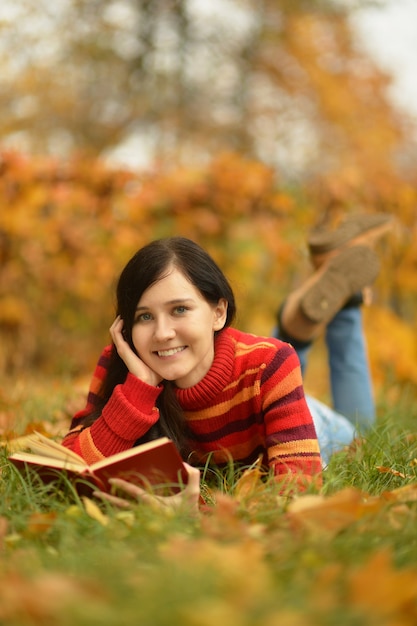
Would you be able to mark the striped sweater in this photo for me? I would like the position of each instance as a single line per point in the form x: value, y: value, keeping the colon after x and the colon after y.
x: 250, y: 403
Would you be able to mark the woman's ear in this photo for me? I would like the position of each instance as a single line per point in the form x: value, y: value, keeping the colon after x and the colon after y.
x: 220, y: 314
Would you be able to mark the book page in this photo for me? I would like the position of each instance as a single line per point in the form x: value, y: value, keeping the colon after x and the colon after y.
x: 39, y: 444
x: 51, y: 463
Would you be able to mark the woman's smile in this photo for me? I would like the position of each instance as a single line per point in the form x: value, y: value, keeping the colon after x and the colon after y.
x: 170, y: 351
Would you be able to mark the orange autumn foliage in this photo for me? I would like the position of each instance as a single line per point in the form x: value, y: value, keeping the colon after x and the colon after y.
x: 67, y: 229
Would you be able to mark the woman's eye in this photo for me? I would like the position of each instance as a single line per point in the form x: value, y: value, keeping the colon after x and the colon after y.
x: 143, y: 317
x: 180, y: 310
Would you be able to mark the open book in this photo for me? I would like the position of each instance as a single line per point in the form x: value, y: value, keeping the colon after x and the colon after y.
x: 156, y: 465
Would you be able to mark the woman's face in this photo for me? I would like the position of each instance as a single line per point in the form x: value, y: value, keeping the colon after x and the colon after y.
x: 173, y: 330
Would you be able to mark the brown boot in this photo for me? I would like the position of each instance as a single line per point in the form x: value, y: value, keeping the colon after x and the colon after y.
x: 311, y: 307
x: 353, y: 231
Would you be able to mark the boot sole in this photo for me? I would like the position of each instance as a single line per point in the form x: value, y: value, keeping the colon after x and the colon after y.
x: 343, y: 276
x: 353, y: 231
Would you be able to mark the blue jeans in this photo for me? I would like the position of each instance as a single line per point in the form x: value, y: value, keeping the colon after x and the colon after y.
x: 350, y: 383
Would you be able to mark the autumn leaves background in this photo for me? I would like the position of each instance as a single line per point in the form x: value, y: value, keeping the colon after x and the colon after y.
x: 67, y: 227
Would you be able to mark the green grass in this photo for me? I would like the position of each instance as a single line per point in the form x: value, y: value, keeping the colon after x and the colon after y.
x: 250, y: 562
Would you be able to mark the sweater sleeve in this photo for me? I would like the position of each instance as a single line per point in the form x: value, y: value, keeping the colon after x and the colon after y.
x: 129, y: 413
x: 291, y: 439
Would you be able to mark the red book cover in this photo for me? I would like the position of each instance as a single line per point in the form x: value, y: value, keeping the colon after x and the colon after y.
x: 156, y: 465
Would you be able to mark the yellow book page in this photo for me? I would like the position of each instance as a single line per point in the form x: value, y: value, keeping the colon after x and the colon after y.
x: 39, y: 444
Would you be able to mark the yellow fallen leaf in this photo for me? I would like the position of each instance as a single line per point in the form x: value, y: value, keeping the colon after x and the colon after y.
x: 127, y: 517
x: 12, y: 539
x: 73, y: 511
x: 381, y: 588
x: 40, y: 599
x: 389, y: 470
x: 406, y: 493
x: 331, y: 514
x: 223, y: 520
x: 40, y: 523
x: 4, y: 525
x: 250, y: 482
x: 95, y: 512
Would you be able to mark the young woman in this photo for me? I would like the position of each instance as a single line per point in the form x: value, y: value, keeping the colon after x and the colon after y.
x: 176, y: 367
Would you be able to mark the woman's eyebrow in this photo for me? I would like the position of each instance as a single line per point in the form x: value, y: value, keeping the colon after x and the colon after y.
x: 169, y: 303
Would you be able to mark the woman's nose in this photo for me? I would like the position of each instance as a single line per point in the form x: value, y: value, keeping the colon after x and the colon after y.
x: 164, y: 329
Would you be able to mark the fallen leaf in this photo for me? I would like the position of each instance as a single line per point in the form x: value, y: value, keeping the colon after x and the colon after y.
x: 95, y: 512
x: 4, y: 525
x: 13, y: 539
x: 223, y: 520
x: 127, y: 517
x: 380, y: 588
x: 331, y: 514
x: 400, y: 516
x: 42, y: 599
x: 40, y: 523
x: 390, y: 470
x: 407, y: 493
x: 73, y: 511
x: 250, y: 482
x: 229, y: 562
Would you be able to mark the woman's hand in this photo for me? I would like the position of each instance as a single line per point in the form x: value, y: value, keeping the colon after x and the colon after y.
x: 134, y: 364
x: 187, y: 499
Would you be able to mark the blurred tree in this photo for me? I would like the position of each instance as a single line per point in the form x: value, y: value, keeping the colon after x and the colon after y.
x: 277, y: 80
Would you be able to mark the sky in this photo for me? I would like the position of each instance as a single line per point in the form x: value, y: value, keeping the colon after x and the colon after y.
x: 389, y: 34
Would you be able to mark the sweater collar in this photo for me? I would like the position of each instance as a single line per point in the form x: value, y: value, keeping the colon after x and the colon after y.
x: 217, y: 377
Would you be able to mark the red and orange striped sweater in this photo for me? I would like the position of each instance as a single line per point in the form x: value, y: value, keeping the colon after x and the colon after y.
x: 250, y: 403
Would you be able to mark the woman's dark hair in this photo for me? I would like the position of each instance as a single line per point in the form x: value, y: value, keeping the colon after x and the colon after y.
x: 145, y: 268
